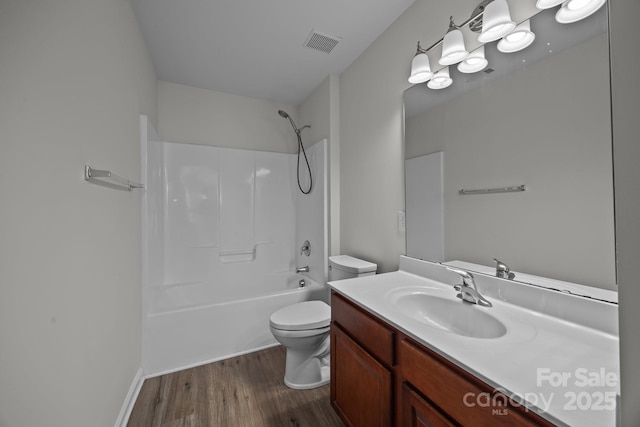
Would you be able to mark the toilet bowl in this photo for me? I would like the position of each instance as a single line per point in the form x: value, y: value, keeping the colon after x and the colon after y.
x: 303, y: 329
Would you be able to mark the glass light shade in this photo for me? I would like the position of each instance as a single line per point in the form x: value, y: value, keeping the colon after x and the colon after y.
x: 420, y: 69
x: 453, y: 50
x: 440, y: 80
x: 577, y: 4
x: 518, y: 39
x: 474, y: 62
x: 496, y: 21
x: 547, y: 4
x: 575, y: 10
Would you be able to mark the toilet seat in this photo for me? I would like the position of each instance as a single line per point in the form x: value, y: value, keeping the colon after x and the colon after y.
x: 302, y: 316
x: 283, y: 333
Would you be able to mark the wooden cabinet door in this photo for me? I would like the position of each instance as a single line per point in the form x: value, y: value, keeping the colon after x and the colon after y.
x: 361, y: 388
x: 449, y: 388
x: 417, y: 412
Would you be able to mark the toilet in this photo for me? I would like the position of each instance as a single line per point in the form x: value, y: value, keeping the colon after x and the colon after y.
x: 303, y: 329
x: 347, y: 267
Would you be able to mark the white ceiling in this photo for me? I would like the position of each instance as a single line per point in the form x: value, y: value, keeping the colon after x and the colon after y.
x: 255, y: 48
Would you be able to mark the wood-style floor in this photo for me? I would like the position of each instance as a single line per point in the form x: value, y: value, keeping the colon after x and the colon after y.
x: 245, y: 391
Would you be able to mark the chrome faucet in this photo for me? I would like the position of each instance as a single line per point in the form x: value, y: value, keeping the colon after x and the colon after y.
x: 502, y: 270
x: 467, y: 290
x: 304, y: 269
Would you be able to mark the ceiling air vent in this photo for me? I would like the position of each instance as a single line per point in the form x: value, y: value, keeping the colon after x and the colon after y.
x: 322, y: 42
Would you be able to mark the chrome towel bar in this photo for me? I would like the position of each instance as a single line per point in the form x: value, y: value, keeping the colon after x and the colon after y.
x: 493, y: 190
x: 108, y: 179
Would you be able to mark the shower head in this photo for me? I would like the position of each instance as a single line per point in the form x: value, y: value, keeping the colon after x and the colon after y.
x: 293, y: 124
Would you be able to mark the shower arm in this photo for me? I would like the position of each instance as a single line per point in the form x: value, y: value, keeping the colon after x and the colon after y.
x: 295, y: 128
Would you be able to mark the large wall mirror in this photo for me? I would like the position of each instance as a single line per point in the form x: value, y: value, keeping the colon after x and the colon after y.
x: 541, y: 119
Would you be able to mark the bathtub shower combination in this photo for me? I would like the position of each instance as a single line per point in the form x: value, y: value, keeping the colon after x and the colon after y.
x: 222, y: 236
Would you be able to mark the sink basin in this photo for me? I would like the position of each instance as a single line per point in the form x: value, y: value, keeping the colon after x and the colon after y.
x: 454, y: 316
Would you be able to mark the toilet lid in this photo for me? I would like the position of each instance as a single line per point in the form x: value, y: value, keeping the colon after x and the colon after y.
x: 352, y: 265
x: 301, y: 316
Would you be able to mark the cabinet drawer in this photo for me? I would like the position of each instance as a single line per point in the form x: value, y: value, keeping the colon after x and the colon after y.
x: 454, y: 391
x: 372, y: 335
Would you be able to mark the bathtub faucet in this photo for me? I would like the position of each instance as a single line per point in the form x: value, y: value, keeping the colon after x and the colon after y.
x: 302, y: 269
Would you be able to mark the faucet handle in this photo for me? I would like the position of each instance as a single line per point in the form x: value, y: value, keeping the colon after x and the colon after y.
x: 467, y: 277
x: 502, y: 270
x: 501, y: 265
x: 465, y: 274
x: 306, y: 248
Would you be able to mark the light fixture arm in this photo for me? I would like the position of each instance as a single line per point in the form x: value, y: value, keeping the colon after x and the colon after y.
x: 475, y: 22
x: 452, y: 25
x: 475, y: 16
x: 421, y: 50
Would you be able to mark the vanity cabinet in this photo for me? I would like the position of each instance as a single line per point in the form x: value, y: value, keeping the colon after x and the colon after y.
x: 361, y: 373
x: 461, y: 398
x: 363, y: 397
x: 382, y: 377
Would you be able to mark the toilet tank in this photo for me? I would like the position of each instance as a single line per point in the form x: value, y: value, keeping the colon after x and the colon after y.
x: 347, y: 267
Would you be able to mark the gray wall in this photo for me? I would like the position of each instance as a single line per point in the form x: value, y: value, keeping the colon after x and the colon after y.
x: 371, y: 133
x: 74, y: 77
x: 192, y: 115
x: 626, y: 151
x: 321, y: 111
x: 546, y: 126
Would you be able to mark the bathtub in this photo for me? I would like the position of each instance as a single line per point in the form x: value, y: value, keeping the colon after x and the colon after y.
x: 197, y: 323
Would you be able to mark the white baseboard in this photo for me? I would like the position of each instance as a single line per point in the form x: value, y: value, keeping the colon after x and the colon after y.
x: 127, y: 406
x: 207, y: 361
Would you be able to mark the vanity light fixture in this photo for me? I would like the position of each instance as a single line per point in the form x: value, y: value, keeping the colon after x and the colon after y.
x: 575, y: 10
x: 492, y: 19
x: 420, y: 68
x: 474, y: 62
x: 520, y: 38
x: 496, y: 21
x: 453, y: 49
x: 440, y: 80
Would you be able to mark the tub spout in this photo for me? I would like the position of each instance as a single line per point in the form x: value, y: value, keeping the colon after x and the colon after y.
x: 302, y: 269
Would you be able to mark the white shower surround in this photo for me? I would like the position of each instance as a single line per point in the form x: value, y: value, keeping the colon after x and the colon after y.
x: 222, y: 230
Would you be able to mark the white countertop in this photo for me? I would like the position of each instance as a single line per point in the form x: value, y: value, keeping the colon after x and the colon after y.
x: 565, y: 370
